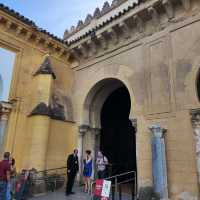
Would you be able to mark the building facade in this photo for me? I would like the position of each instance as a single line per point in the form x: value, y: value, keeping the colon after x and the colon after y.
x: 126, y: 81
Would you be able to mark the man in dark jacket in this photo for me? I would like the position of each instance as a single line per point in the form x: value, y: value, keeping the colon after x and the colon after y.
x: 72, y: 169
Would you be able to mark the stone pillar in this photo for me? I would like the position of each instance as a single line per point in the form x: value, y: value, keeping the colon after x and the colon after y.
x: 159, y: 161
x: 82, y: 131
x: 5, y: 109
x: 96, y: 147
x: 196, y: 128
x: 39, y: 118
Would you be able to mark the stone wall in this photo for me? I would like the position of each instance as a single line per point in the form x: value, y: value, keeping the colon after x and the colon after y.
x: 34, y: 140
x: 160, y: 71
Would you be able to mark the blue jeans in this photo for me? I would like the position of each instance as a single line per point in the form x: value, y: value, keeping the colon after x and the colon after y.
x: 8, y: 194
x: 3, y: 190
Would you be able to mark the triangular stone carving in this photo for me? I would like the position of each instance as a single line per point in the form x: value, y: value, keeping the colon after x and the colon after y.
x: 80, y: 24
x: 88, y: 19
x: 97, y: 13
x: 106, y: 8
x: 41, y: 109
x: 46, y: 68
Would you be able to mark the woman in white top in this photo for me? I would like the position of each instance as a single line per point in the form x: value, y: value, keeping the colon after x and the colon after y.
x: 101, y: 163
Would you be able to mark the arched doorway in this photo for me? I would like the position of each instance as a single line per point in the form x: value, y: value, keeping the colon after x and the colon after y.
x: 117, y: 139
x: 107, y: 108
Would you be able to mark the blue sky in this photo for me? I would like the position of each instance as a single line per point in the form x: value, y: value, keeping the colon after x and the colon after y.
x: 54, y: 15
x: 7, y: 59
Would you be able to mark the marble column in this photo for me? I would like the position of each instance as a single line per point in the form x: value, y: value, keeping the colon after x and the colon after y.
x: 5, y: 109
x: 196, y: 129
x: 81, y: 132
x: 159, y: 161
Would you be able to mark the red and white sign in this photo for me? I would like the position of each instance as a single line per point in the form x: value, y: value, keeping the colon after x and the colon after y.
x: 102, y: 189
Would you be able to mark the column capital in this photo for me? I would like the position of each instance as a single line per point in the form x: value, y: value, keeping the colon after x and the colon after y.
x: 5, y: 109
x: 82, y: 129
x: 134, y: 123
x: 157, y: 130
x: 195, y: 118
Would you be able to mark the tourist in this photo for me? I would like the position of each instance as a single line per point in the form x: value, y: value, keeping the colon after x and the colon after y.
x: 72, y: 170
x: 87, y: 170
x: 13, y: 174
x: 4, y: 176
x: 102, y: 163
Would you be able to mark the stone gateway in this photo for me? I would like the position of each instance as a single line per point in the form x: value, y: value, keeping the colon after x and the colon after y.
x: 124, y: 81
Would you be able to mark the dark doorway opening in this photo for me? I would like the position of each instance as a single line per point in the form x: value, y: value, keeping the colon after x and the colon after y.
x: 118, y: 140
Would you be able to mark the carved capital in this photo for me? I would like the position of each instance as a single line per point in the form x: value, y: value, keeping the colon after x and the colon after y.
x: 134, y: 123
x: 125, y: 29
x: 19, y: 30
x: 157, y: 130
x: 82, y: 129
x: 195, y: 118
x: 139, y: 23
x: 103, y: 41
x: 113, y: 34
x: 169, y: 9
x: 83, y: 50
x: 28, y: 36
x: 38, y: 39
x: 8, y: 25
x: 155, y: 17
x: 5, y: 109
x: 92, y: 46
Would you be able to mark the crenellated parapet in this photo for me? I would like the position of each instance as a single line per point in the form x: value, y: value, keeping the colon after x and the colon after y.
x: 111, y: 30
x: 98, y: 13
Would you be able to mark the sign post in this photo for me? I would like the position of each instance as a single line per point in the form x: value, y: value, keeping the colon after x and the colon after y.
x: 102, y: 189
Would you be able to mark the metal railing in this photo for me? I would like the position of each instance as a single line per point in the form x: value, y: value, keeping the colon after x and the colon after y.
x: 119, y: 187
x: 52, y: 179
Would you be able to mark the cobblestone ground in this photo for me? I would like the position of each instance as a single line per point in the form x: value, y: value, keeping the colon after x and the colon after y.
x: 60, y: 195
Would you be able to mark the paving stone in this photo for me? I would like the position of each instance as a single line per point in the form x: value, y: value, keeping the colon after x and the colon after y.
x: 60, y: 195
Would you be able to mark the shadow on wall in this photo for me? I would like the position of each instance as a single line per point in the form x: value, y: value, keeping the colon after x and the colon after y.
x: 61, y: 107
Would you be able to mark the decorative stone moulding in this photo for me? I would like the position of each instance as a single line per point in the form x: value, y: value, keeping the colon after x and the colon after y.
x: 129, y: 27
x: 5, y: 107
x: 30, y: 32
x: 97, y: 14
x: 83, y: 128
